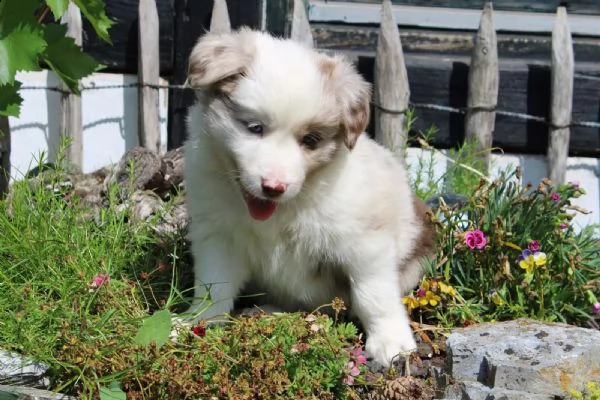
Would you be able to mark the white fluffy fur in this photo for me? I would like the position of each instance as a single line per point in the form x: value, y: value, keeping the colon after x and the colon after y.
x: 347, y: 210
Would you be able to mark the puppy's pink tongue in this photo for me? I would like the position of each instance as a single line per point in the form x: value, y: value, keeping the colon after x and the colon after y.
x: 259, y: 209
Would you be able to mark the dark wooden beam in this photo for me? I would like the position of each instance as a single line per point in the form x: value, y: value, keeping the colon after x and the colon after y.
x: 547, y: 6
x: 121, y: 56
x: 363, y: 40
x: 524, y: 88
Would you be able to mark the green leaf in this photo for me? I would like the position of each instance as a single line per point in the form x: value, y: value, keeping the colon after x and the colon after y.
x: 66, y: 58
x: 19, y: 51
x: 21, y: 43
x: 113, y: 392
x: 58, y: 7
x: 17, y: 14
x: 155, y: 328
x: 10, y: 100
x: 94, y: 12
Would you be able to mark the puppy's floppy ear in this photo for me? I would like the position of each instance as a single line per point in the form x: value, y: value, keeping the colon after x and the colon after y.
x: 353, y: 95
x: 218, y: 59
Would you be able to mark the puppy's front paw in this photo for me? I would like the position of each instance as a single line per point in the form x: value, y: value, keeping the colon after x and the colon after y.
x: 387, y: 341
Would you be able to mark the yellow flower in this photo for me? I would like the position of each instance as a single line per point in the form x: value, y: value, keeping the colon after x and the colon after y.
x: 496, y: 297
x: 430, y: 298
x: 539, y: 258
x: 411, y: 303
x: 447, y: 289
x: 529, y: 261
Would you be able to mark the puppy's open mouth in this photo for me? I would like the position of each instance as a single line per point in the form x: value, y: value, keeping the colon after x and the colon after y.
x: 259, y: 209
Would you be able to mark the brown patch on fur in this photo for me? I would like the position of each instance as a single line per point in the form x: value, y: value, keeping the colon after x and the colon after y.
x: 352, y: 93
x: 425, y: 244
x: 356, y: 122
x: 218, y: 61
x: 327, y: 66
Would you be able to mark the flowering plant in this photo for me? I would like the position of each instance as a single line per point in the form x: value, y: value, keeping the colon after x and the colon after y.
x: 511, y: 251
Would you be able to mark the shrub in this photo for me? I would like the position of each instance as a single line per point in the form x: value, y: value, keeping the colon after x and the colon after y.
x: 510, y: 251
x: 591, y: 392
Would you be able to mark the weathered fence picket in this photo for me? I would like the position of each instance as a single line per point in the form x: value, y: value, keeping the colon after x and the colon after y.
x: 391, y: 92
x: 219, y: 22
x: 148, y: 76
x: 300, y: 30
x: 482, y: 96
x: 4, y: 155
x: 71, y: 123
x: 562, y: 72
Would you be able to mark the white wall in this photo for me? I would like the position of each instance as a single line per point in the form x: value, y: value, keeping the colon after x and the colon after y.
x: 109, y: 120
x: 110, y: 128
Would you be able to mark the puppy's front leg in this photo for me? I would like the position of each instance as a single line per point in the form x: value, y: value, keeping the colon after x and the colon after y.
x: 219, y: 274
x: 377, y: 302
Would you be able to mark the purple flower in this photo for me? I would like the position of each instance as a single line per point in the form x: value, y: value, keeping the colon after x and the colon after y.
x: 421, y: 292
x: 534, y: 246
x: 526, y: 253
x: 475, y: 239
x: 555, y: 197
x: 575, y: 184
x: 596, y: 308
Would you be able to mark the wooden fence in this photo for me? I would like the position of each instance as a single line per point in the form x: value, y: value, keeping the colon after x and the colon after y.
x: 391, y: 98
x: 391, y: 95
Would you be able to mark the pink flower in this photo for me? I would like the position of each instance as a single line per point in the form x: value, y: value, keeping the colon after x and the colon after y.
x: 99, y: 280
x: 358, y: 356
x: 534, y: 246
x: 555, y: 197
x: 563, y: 226
x: 475, y: 239
x: 352, y: 372
x: 596, y: 308
x: 421, y: 292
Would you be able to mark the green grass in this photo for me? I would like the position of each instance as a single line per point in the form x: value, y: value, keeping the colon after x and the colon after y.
x: 102, y: 340
x: 50, y: 251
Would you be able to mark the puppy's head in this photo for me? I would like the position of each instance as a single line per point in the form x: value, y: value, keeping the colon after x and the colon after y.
x: 281, y: 110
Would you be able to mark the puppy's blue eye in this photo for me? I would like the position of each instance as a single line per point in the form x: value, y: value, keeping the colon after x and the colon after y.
x: 255, y: 127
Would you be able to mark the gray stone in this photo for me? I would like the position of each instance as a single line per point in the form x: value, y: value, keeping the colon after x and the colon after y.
x: 145, y: 205
x: 173, y: 221
x: 18, y: 370
x: 138, y: 169
x: 175, y: 167
x: 522, y: 359
x: 26, y: 393
x: 478, y: 391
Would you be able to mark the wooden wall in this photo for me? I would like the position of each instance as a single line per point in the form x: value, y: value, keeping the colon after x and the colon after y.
x: 437, y: 62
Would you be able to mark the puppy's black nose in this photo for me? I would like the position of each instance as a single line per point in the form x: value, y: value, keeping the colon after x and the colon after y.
x: 273, y: 188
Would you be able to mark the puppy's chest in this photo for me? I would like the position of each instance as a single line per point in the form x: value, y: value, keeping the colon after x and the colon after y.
x: 276, y: 248
x: 294, y: 257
